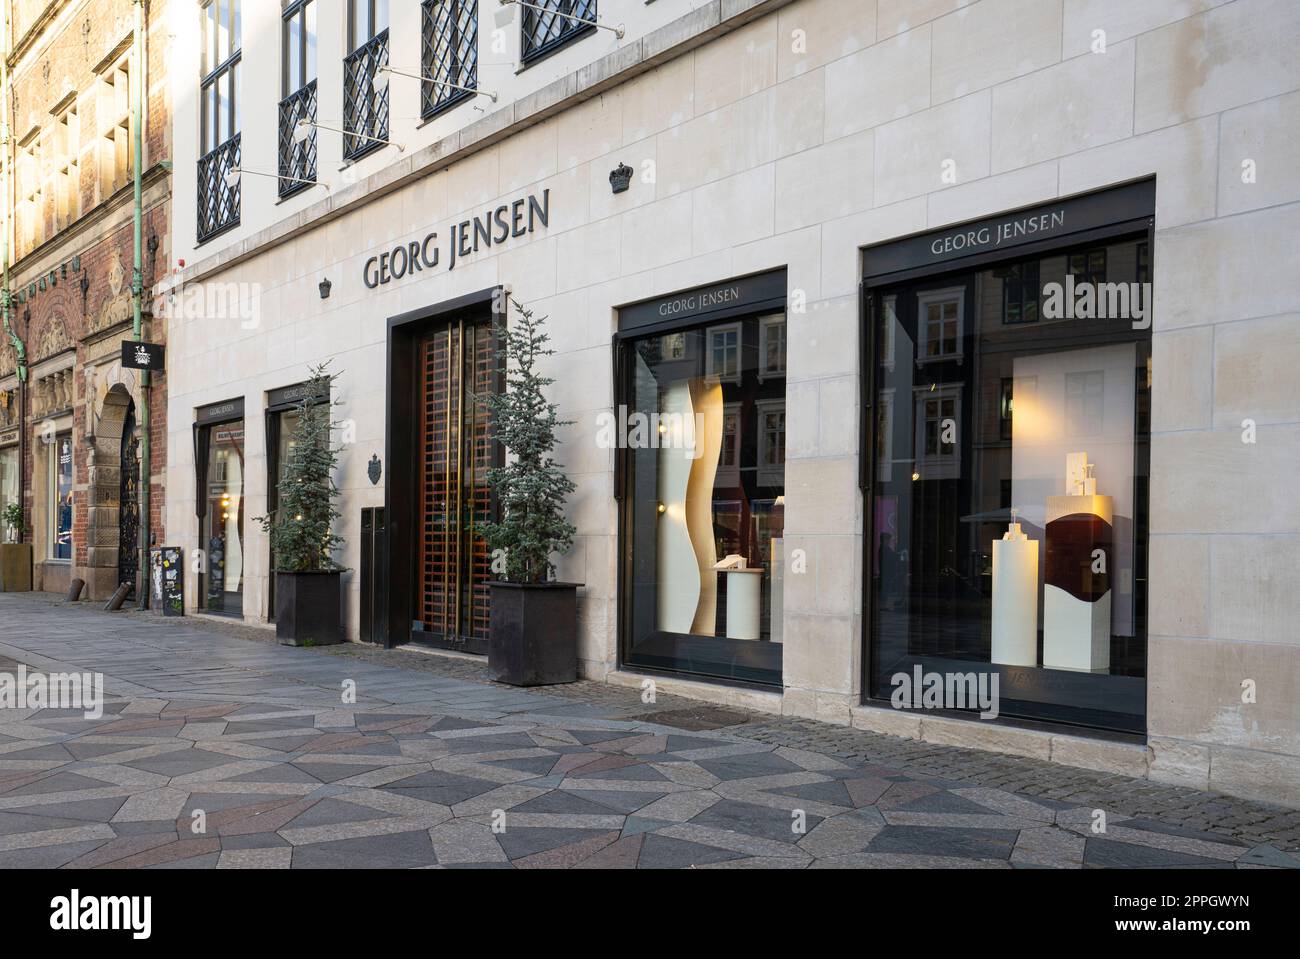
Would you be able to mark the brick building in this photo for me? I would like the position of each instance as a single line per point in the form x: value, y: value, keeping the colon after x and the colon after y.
x: 69, y: 429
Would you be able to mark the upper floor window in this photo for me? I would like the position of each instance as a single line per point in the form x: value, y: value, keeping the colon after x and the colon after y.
x: 448, y: 53
x: 365, y: 104
x: 218, y: 191
x: 29, y: 228
x: 114, y: 120
x: 366, y: 20
x: 67, y: 144
x: 940, y: 324
x: 558, y: 22
x: 297, y: 158
x: 771, y: 350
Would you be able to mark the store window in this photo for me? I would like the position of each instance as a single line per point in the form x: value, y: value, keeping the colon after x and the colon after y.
x: 283, y: 416
x: 222, y: 461
x: 1013, y: 540
x: 703, y: 476
x: 61, y: 498
x: 9, y: 486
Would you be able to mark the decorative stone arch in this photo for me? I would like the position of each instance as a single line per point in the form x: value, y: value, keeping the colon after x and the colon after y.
x: 113, y: 398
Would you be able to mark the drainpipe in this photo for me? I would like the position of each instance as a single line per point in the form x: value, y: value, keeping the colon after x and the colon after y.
x: 137, y: 296
x: 6, y: 299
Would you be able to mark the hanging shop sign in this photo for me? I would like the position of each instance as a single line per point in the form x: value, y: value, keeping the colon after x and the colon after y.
x: 137, y: 355
x: 517, y: 218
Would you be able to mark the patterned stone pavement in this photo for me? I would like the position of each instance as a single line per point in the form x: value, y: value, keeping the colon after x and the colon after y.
x: 214, y: 751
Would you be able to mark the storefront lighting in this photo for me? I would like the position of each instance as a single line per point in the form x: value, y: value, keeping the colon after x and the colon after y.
x: 663, y: 508
x: 234, y: 173
x: 915, y: 477
x: 503, y: 16
x: 302, y: 130
x: 324, y: 288
x: 380, y: 82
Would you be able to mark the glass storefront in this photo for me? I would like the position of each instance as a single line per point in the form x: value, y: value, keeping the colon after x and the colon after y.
x: 1011, y: 408
x: 223, y: 518
x: 702, y: 431
x: 61, y: 498
x: 9, y: 485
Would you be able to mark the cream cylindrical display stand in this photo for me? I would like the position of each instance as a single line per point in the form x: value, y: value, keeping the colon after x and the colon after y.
x: 744, y: 602
x: 1015, y: 599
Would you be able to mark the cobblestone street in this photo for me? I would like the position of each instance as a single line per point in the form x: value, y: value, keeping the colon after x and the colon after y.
x: 215, y: 726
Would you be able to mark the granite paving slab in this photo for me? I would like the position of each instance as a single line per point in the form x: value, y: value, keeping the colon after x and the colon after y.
x: 436, y: 766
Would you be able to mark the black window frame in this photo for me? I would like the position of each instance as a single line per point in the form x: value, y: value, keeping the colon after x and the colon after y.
x: 296, y: 162
x: 365, y: 58
x: 435, y: 99
x: 218, y: 203
x: 532, y: 48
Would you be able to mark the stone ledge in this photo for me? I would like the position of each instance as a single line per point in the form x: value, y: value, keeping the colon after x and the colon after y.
x: 1127, y: 759
x: 755, y: 699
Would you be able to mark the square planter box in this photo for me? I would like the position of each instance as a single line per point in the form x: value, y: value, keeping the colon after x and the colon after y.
x: 15, y: 567
x: 307, y: 608
x: 533, y: 639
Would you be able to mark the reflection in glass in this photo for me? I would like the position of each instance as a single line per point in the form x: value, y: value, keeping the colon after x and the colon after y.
x: 1010, y: 504
x: 223, y: 522
x: 706, y: 439
x: 62, y: 490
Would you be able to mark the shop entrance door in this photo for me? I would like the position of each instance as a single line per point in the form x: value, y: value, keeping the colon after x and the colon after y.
x: 457, y: 366
x: 128, y: 515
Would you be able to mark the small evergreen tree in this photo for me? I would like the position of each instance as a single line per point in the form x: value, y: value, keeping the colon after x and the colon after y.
x: 531, y: 488
x: 301, y: 526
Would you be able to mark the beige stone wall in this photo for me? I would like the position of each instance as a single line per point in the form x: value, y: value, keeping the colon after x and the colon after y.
x: 796, y: 140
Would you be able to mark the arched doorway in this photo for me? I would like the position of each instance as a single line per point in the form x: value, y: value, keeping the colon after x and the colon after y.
x: 128, y: 513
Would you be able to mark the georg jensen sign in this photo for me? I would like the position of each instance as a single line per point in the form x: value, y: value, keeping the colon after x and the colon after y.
x: 1060, y: 221
x: 465, y: 238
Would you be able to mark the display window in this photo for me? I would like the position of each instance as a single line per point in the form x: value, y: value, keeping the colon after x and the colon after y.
x: 704, y: 474
x: 61, y: 498
x: 223, y: 517
x: 1010, y: 408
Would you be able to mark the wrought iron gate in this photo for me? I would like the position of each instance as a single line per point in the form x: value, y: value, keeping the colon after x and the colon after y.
x: 128, y: 514
x: 457, y: 369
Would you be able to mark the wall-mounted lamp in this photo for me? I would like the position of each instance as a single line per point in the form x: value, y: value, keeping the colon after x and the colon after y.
x: 302, y: 130
x: 620, y: 177
x: 380, y: 82
x: 325, y: 285
x: 503, y: 16
x: 234, y: 173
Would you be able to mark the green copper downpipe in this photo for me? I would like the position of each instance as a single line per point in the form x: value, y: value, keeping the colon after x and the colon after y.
x: 6, y: 299
x: 14, y: 339
x: 137, y: 297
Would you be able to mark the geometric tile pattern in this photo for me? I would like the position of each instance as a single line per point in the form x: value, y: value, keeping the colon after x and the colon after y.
x: 216, y: 752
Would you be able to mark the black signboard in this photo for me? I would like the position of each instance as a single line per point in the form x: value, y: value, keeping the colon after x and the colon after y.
x: 138, y: 355
x: 1060, y: 221
x: 167, y: 580
x: 287, y: 397
x: 762, y: 291
x: 220, y: 412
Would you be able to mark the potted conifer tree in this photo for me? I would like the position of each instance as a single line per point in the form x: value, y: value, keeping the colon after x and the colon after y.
x: 15, y: 556
x: 308, y: 582
x: 533, y: 634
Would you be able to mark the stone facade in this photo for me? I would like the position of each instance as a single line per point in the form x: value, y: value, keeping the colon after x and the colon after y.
x: 70, y: 276
x: 775, y: 134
